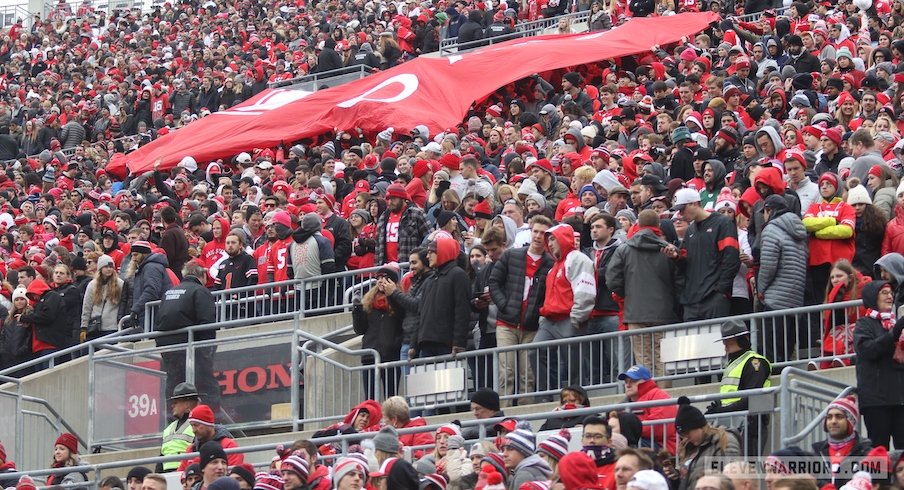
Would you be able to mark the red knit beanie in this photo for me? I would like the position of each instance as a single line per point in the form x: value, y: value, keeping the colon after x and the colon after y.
x: 69, y: 441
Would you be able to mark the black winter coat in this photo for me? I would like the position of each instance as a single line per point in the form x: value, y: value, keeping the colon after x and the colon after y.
x: 149, y: 283
x: 54, y: 317
x: 507, y: 288
x: 382, y: 331
x: 186, y: 305
x: 409, y: 302
x: 342, y: 239
x: 445, y: 309
x: 880, y: 380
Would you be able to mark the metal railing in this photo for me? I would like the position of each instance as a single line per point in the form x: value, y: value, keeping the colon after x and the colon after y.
x: 315, y: 81
x: 9, y: 14
x: 757, y: 15
x: 525, y: 29
x: 278, y: 301
x: 342, y: 442
x: 805, y: 399
x: 17, y: 412
x: 537, y: 371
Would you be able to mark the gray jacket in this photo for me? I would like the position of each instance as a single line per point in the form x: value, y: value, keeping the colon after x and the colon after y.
x: 532, y: 468
x: 783, y: 262
x: 109, y: 311
x: 646, y: 278
x: 884, y: 199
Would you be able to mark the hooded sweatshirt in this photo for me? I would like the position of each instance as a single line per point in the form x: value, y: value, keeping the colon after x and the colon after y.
x: 373, y: 408
x: 893, y: 263
x: 531, y: 468
x: 577, y: 470
x: 776, y: 142
x: 571, y: 283
x: 214, y: 253
x: 710, y: 191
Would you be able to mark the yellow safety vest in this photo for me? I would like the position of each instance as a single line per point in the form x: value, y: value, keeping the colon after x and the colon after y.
x: 731, y: 378
x: 176, y: 439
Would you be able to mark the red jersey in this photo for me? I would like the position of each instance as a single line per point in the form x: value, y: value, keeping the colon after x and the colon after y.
x: 278, y: 260
x: 828, y: 251
x: 392, y: 237
x: 160, y: 106
x: 261, y: 254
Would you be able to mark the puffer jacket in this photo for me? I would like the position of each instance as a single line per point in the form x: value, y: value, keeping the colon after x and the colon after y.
x: 506, y: 283
x: 894, y: 234
x: 151, y: 280
x: 880, y: 379
x: 885, y: 200
x: 783, y: 262
x: 711, y: 447
x: 645, y: 277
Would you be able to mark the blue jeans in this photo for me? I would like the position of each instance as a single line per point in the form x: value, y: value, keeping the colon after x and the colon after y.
x: 557, y: 367
x: 603, y: 354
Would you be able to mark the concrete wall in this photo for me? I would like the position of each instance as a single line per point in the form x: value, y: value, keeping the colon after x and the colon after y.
x: 65, y: 388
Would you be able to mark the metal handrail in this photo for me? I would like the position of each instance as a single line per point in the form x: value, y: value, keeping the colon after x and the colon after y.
x: 324, y: 76
x: 346, y: 439
x: 786, y: 422
x: 524, y: 29
x: 52, y: 357
x: 757, y: 15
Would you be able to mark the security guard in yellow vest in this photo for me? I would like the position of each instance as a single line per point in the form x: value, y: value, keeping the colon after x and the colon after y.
x: 746, y: 370
x: 178, y: 435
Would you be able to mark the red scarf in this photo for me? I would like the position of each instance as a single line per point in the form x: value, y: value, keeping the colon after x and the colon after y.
x: 888, y: 322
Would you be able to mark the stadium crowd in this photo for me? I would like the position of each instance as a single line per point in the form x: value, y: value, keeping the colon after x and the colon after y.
x: 753, y: 167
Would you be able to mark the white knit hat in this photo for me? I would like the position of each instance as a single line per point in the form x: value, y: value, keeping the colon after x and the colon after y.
x: 858, y: 195
x: 900, y: 187
x: 19, y: 293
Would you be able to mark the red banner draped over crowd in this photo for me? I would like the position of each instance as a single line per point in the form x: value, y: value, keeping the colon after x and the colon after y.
x: 436, y: 92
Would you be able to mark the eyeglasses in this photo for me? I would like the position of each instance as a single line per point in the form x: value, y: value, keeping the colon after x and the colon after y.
x: 593, y: 437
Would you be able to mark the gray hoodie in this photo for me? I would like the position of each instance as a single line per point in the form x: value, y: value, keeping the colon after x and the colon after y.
x: 893, y: 263
x: 776, y: 140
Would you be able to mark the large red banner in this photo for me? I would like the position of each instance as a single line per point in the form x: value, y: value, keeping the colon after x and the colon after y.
x: 436, y: 92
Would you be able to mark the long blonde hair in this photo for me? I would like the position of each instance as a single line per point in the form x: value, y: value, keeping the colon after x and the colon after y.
x: 106, y: 289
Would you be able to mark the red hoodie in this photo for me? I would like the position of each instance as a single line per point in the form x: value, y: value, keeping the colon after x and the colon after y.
x: 571, y: 283
x: 215, y: 252
x: 373, y: 408
x: 647, y: 391
x: 578, y: 472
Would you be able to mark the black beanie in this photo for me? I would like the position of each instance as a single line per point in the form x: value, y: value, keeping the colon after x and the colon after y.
x: 486, y: 398
x: 210, y: 451
x: 138, y: 472
x: 689, y: 417
x: 802, y: 81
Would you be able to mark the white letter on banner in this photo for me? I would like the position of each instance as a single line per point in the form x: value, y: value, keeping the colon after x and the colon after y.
x: 409, y: 83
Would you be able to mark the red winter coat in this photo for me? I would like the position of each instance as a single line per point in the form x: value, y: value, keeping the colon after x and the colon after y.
x: 647, y: 391
x: 894, y: 233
